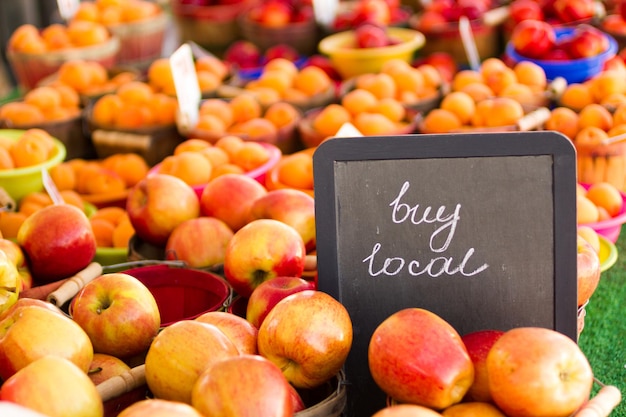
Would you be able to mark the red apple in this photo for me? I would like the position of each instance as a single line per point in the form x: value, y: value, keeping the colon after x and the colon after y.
x: 586, y: 41
x: 269, y: 293
x: 180, y: 353
x: 271, y: 13
x: 157, y: 204
x: 524, y: 10
x: 533, y: 38
x: 155, y: 407
x: 104, y: 366
x: 13, y: 251
x: 54, y: 386
x: 308, y: 335
x: 372, y: 11
x: 240, y: 331
x: 588, y: 270
x: 246, y: 385
x: 369, y: 35
x: 229, y: 197
x: 26, y: 301
x: 614, y: 23
x: 281, y: 50
x: 58, y: 242
x: 296, y: 399
x: 535, y: 371
x: 243, y: 54
x: 417, y: 357
x: 30, y: 332
x: 200, y: 242
x: 261, y: 250
x: 478, y: 345
x: 119, y: 313
x: 568, y: 11
x: 290, y: 206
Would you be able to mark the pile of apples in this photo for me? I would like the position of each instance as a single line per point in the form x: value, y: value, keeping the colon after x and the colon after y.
x: 279, y: 13
x: 244, y: 54
x: 438, y: 15
x: 378, y: 12
x: 554, y: 12
x: 537, y: 39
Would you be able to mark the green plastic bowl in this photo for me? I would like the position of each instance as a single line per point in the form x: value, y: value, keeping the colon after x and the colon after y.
x: 19, y: 182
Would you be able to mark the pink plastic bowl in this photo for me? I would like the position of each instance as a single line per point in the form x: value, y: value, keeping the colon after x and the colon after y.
x: 257, y: 174
x: 610, y: 228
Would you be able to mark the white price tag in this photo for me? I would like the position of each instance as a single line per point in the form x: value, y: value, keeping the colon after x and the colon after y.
x: 348, y: 130
x: 67, y: 8
x: 186, y: 84
x: 325, y: 11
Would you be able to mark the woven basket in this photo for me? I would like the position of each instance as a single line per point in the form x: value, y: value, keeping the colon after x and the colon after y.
x: 140, y: 42
x: 212, y: 27
x: 32, y: 68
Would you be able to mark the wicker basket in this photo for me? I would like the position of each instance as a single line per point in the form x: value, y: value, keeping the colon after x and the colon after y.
x: 140, y: 42
x: 302, y: 36
x: 212, y: 27
x: 32, y: 68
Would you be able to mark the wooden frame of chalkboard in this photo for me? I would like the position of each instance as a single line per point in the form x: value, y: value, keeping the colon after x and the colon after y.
x: 479, y: 228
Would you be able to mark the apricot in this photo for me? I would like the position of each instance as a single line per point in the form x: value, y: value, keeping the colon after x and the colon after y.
x: 131, y: 167
x: 282, y: 114
x: 245, y: 107
x: 607, y: 196
x: 312, y: 80
x: 531, y: 74
x: 381, y: 85
x: 229, y: 144
x: 586, y: 210
x: 595, y: 114
x: 296, y: 171
x: 219, y: 108
x: 330, y: 119
x: 440, y: 121
x: 390, y: 108
x: 371, y: 124
x: 190, y: 167
x: 563, y: 120
x: 251, y: 156
x: 358, y: 101
x: 465, y: 77
x: 255, y: 129
x: 459, y: 103
x: 606, y: 83
x: 576, y: 96
x: 215, y: 155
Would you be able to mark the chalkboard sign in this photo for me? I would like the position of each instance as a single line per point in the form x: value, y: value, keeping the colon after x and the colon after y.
x: 479, y: 228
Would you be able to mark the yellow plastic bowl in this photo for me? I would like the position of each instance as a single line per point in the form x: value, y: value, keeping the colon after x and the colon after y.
x: 351, y: 61
x: 19, y: 182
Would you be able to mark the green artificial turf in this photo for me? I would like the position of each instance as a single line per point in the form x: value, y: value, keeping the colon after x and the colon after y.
x: 603, y: 338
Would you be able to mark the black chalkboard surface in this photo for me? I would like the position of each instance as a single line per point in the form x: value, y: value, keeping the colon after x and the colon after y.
x: 479, y: 228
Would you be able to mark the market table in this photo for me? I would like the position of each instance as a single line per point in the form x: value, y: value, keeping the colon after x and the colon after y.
x: 604, y: 337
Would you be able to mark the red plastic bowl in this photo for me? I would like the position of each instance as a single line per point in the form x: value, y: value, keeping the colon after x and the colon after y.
x: 610, y: 228
x: 257, y: 174
x: 183, y: 293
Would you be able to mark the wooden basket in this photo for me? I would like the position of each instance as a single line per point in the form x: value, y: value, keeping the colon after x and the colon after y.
x: 212, y: 27
x: 32, y: 68
x: 140, y: 42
